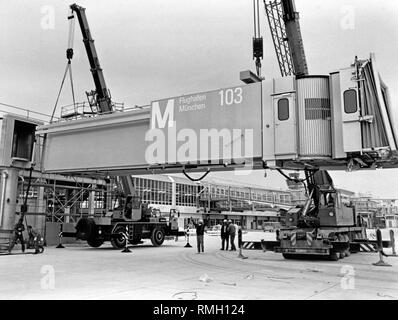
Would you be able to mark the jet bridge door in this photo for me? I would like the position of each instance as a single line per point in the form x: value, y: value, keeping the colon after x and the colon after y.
x: 285, y: 125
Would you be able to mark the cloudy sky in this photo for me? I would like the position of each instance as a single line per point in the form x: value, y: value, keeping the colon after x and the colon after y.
x: 152, y: 49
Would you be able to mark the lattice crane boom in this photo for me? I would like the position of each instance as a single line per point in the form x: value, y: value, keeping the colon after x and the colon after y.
x: 283, y: 20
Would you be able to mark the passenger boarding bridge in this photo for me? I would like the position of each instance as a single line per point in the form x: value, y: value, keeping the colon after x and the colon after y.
x: 340, y: 121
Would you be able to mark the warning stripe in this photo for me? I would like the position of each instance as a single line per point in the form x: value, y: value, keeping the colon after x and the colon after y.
x: 309, y: 238
x: 367, y: 247
x: 248, y: 245
x: 293, y: 239
x: 252, y: 245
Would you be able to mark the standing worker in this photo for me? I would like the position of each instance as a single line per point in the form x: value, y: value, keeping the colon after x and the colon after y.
x: 200, y: 230
x: 224, y: 235
x: 232, y: 233
x: 18, y: 235
x: 34, y: 239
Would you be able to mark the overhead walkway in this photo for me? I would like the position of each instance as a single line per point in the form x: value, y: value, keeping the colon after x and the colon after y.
x: 341, y: 121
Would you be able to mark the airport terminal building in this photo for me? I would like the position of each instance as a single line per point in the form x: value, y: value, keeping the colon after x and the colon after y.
x: 214, y: 200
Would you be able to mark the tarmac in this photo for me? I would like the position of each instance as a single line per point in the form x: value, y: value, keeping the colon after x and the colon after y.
x: 173, y: 272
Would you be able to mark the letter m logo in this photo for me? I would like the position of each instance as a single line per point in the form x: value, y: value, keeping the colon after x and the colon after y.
x: 158, y: 121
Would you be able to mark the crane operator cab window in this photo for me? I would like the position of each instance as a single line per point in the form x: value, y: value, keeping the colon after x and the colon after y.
x: 327, y: 198
x: 133, y: 203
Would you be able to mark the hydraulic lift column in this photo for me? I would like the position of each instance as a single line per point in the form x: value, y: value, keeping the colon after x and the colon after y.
x: 8, y: 203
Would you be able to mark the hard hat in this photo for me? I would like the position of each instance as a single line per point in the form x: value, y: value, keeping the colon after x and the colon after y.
x: 225, y: 220
x: 229, y: 220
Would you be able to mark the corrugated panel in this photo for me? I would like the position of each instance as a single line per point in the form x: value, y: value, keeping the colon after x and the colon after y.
x: 314, y: 117
x: 373, y: 132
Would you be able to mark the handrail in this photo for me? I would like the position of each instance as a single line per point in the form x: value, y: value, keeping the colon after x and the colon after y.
x: 28, y: 112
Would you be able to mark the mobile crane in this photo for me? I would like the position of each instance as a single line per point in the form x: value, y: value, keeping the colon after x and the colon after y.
x: 132, y: 220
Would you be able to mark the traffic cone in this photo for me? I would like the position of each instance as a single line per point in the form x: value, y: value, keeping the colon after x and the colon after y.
x: 381, y: 262
x: 187, y: 245
x: 60, y: 246
x: 126, y: 249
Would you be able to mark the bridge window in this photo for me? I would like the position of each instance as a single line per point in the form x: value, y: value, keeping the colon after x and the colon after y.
x: 350, y: 101
x: 283, y: 109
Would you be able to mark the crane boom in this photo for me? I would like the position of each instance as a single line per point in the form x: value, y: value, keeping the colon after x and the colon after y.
x: 101, y: 101
x: 285, y: 29
x: 101, y: 98
x: 294, y: 38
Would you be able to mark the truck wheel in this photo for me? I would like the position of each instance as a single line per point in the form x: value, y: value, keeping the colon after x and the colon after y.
x: 86, y: 228
x: 95, y: 243
x: 157, y: 237
x: 119, y: 241
x: 341, y: 255
x: 334, y: 256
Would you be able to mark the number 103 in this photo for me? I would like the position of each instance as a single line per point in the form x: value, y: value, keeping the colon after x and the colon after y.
x: 231, y: 96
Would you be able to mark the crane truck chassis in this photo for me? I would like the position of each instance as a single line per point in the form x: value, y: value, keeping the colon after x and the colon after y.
x: 133, y: 223
x: 324, y: 226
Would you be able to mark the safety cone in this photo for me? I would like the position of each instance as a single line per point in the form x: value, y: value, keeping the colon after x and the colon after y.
x: 187, y: 245
x: 60, y: 246
x: 126, y: 249
x: 381, y: 262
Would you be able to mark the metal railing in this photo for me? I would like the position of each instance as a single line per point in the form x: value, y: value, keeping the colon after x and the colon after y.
x: 83, y: 110
x: 25, y: 113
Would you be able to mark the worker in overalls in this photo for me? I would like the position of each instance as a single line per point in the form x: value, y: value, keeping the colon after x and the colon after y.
x: 34, y: 239
x: 232, y: 234
x: 224, y: 235
x: 200, y: 230
x: 18, y: 235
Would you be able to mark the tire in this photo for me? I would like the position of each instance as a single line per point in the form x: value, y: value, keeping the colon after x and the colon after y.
x: 157, y: 237
x: 341, y: 255
x: 334, y: 256
x: 119, y: 242
x: 86, y: 227
x: 95, y: 243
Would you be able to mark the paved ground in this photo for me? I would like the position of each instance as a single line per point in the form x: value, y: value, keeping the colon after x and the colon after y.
x: 175, y: 272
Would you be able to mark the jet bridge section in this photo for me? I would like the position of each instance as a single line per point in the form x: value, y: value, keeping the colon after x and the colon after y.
x: 339, y: 121
x: 218, y: 129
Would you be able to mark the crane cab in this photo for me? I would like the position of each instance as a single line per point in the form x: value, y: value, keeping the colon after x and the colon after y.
x: 133, y: 208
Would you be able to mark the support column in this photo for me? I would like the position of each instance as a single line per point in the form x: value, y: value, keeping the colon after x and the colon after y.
x: 174, y: 195
x: 8, y: 203
x: 91, y: 203
x: 40, y: 222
